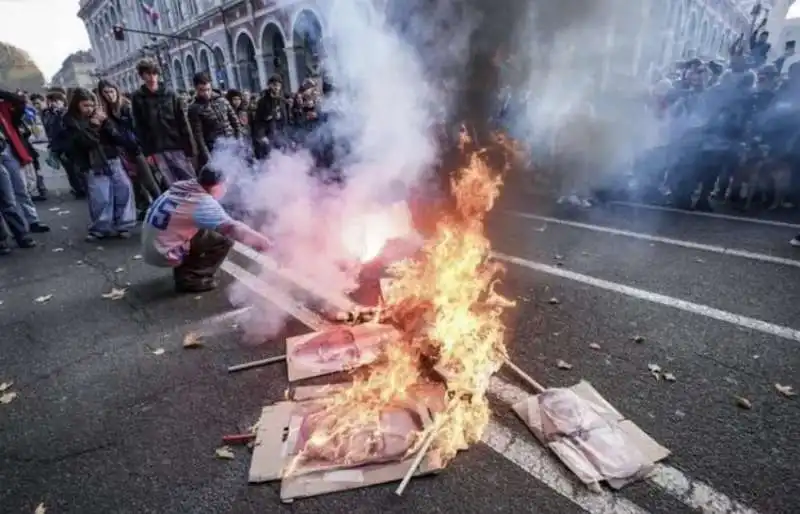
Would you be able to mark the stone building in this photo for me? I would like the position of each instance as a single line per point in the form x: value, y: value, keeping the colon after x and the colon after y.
x: 241, y: 43
x: 77, y: 70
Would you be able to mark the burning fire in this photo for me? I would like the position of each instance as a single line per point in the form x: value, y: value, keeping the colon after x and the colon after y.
x: 445, y: 305
x: 366, y: 238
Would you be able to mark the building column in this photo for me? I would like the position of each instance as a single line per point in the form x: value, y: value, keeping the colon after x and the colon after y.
x: 262, y: 72
x: 291, y: 62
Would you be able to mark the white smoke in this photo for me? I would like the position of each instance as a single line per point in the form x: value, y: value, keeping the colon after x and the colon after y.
x: 385, y: 109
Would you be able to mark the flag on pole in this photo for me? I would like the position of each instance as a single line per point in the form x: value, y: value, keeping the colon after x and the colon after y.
x: 149, y: 7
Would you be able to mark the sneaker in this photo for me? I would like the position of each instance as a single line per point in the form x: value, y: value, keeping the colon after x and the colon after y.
x: 27, y: 242
x: 39, y: 228
x: 795, y: 242
x: 202, y: 286
x: 39, y: 198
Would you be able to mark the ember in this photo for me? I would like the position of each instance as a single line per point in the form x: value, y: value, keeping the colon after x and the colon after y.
x: 444, y: 304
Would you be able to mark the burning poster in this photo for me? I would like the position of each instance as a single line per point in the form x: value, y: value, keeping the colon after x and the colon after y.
x: 336, y: 349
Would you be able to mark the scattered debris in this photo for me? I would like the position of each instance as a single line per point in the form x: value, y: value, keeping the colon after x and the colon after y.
x: 700, y: 261
x: 158, y: 351
x: 680, y: 414
x: 743, y: 402
x: 64, y: 227
x: 54, y: 209
x: 554, y: 301
x: 669, y: 377
x: 594, y: 346
x: 100, y: 248
x: 44, y: 299
x: 63, y: 213
x: 7, y: 398
x: 224, y: 452
x: 58, y: 250
x: 638, y: 339
x: 137, y: 257
x: 119, y: 270
x: 785, y: 390
x: 192, y: 340
x: 115, y: 294
x: 79, y: 263
x: 40, y: 509
x: 562, y: 364
x: 2, y: 302
x: 558, y: 257
x: 5, y: 386
x: 756, y: 357
x: 655, y: 370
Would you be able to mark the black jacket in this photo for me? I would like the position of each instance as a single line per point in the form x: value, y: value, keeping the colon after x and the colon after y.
x: 269, y: 121
x: 160, y: 122
x: 91, y: 147
x: 211, y: 120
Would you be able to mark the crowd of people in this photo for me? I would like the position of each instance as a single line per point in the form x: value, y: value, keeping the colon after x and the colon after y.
x: 730, y: 132
x: 141, y: 156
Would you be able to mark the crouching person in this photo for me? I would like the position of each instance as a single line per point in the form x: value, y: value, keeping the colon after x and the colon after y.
x: 186, y: 229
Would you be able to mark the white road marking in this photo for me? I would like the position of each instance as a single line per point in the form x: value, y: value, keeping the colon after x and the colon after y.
x: 665, y: 240
x: 544, y: 466
x: 729, y: 217
x: 668, y: 301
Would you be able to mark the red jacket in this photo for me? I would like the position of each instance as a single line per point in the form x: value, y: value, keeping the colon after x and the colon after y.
x: 10, y: 117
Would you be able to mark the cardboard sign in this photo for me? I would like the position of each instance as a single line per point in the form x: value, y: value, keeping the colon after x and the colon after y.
x: 590, y: 436
x: 279, y: 438
x: 337, y: 349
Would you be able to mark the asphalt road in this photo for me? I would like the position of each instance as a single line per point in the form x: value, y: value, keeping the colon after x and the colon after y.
x: 105, y: 423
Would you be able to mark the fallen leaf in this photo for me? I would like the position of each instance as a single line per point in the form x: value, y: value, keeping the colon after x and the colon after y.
x: 5, y: 386
x: 192, y: 340
x: 8, y: 397
x: 553, y: 301
x: 785, y: 390
x: 40, y: 509
x: 743, y: 402
x: 224, y: 452
x: 58, y: 250
x: 43, y: 299
x: 137, y: 257
x: 669, y: 377
x: 594, y: 346
x: 561, y: 364
x: 158, y: 351
x: 638, y: 339
x: 115, y: 294
x: 119, y: 270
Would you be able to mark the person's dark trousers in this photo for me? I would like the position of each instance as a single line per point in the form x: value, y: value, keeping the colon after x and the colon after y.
x: 76, y: 179
x: 207, y: 251
x: 10, y: 211
x: 713, y: 165
x: 145, y: 176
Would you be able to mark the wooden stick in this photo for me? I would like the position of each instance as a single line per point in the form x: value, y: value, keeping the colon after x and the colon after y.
x: 339, y: 301
x: 256, y: 364
x: 536, y: 386
x: 423, y: 450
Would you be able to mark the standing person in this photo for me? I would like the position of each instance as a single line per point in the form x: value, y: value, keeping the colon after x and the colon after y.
x: 269, y: 120
x: 96, y: 140
x: 240, y: 108
x: 162, y: 126
x: 210, y: 117
x: 186, y: 229
x: 118, y: 108
x: 14, y: 155
x: 53, y: 121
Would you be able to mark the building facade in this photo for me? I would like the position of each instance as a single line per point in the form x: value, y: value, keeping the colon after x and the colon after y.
x: 77, y: 70
x: 241, y: 43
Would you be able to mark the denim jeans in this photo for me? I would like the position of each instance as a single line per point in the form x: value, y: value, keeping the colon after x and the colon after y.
x: 9, y: 210
x: 20, y: 190
x: 111, y: 207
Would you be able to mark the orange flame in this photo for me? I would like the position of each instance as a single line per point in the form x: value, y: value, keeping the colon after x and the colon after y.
x: 445, y: 303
